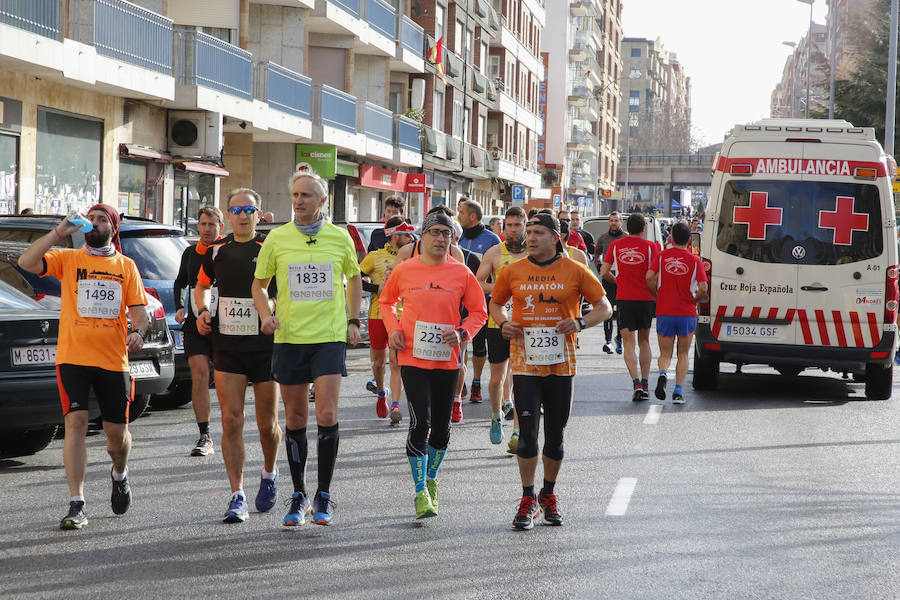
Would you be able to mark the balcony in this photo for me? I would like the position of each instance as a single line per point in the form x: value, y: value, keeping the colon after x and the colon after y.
x: 334, y: 119
x: 213, y: 75
x: 288, y: 96
x: 515, y: 169
x: 378, y: 33
x: 410, y: 52
x: 377, y: 125
x: 407, y: 143
x: 41, y: 17
x: 336, y: 17
x: 580, y: 95
x: 522, y: 115
x: 580, y: 8
x: 581, y: 140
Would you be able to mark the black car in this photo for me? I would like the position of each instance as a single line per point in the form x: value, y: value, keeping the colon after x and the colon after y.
x: 153, y: 367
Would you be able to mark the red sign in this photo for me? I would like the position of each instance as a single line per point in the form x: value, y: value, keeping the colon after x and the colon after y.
x: 843, y: 220
x: 387, y: 179
x: 802, y: 166
x: 757, y: 216
x: 415, y: 182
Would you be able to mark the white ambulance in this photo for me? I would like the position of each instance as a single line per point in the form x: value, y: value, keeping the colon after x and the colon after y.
x: 800, y: 247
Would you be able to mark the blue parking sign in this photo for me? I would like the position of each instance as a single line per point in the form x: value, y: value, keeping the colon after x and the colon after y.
x: 518, y: 192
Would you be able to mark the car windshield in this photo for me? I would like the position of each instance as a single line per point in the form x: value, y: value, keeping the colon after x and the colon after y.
x: 800, y: 222
x: 13, y: 299
x: 157, y: 256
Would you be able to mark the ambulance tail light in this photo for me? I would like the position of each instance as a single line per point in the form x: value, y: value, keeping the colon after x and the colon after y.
x: 891, y: 167
x: 741, y: 170
x: 703, y: 307
x: 891, y: 295
x: 865, y: 173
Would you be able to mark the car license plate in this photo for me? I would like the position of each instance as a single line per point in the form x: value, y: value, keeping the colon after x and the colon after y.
x: 33, y: 355
x: 142, y: 369
x: 752, y: 332
x: 178, y: 339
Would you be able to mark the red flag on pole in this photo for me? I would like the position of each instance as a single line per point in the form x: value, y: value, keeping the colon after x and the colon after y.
x: 436, y: 57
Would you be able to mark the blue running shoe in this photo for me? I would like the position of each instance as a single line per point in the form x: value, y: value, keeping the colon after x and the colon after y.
x: 496, y: 429
x: 299, y: 511
x: 238, y: 511
x: 268, y: 490
x: 324, y: 507
x: 370, y: 386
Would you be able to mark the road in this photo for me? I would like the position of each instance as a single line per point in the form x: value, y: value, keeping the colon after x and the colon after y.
x: 767, y: 488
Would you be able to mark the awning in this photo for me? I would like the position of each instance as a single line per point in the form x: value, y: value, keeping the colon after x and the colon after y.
x: 135, y: 151
x: 208, y: 169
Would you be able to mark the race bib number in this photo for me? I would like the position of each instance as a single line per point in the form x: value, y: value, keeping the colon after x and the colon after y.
x: 544, y: 346
x: 99, y: 298
x: 311, y: 281
x: 238, y: 317
x: 213, y: 301
x: 429, y: 343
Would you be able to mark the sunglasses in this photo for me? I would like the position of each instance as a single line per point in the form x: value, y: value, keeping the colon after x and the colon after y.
x: 236, y: 210
x: 442, y: 232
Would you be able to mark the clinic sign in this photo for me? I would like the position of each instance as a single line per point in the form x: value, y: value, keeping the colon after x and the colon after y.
x: 321, y: 157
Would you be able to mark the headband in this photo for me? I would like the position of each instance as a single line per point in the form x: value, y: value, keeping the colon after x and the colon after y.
x: 548, y: 221
x: 113, y: 215
x: 398, y: 229
x: 436, y: 218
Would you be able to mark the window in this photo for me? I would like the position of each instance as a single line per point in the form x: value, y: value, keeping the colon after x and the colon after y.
x: 192, y: 190
x: 9, y: 173
x: 470, y: 50
x: 439, y: 22
x: 438, y: 111
x: 635, y: 53
x: 458, y: 33
x: 482, y: 63
x: 634, y: 100
x: 458, y: 119
x: 69, y: 159
x: 395, y: 98
x: 482, y: 123
x: 495, y: 67
x: 635, y: 74
x: 141, y: 185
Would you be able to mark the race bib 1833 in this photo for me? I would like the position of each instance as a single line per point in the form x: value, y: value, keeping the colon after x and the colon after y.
x: 311, y: 281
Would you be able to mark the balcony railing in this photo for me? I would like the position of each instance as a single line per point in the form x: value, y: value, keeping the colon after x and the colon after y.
x: 335, y: 108
x: 351, y: 6
x: 284, y: 90
x: 132, y: 34
x: 37, y: 16
x: 378, y: 123
x: 412, y: 37
x: 382, y: 17
x: 406, y: 134
x: 202, y: 59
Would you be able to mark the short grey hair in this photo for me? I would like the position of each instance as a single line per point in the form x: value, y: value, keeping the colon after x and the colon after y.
x: 321, y: 184
x: 250, y: 192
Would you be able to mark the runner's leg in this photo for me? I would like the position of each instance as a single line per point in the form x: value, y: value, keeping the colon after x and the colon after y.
x: 75, y: 450
x: 631, y: 361
x: 296, y: 415
x: 199, y: 365
x: 328, y: 389
x: 666, y: 344
x: 646, y: 354
x: 528, y: 401
x: 230, y: 389
x: 265, y: 401
x: 684, y: 357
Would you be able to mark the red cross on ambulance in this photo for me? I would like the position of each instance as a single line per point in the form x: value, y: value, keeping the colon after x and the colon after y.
x: 757, y: 216
x: 843, y: 221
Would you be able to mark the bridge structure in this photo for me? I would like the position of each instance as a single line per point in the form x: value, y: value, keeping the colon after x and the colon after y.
x: 670, y: 171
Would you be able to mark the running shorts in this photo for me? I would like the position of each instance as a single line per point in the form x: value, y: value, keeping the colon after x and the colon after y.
x: 497, y: 346
x: 296, y: 364
x: 636, y: 314
x: 194, y: 344
x: 378, y: 335
x: 668, y: 326
x: 255, y: 365
x: 479, y: 342
x: 114, y: 390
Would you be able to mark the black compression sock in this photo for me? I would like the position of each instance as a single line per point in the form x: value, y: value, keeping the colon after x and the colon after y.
x: 644, y: 382
x: 548, y: 486
x: 636, y: 382
x: 327, y: 450
x: 528, y: 490
x: 295, y: 439
x: 204, y: 428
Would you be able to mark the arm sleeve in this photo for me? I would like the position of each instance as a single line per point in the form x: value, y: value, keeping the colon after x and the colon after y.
x: 388, y: 298
x: 473, y: 300
x: 181, y: 280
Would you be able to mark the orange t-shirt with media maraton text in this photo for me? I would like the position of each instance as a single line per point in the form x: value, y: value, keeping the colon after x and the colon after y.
x: 95, y: 293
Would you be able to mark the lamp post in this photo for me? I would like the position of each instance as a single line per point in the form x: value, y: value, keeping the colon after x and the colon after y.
x: 892, y: 83
x: 833, y: 34
x: 809, y: 42
x: 793, y: 45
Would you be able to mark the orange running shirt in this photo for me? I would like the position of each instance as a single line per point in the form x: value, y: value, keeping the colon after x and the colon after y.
x: 543, y: 296
x: 95, y: 293
x: 432, y: 294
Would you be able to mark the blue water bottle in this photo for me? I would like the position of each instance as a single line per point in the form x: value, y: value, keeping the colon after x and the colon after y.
x: 76, y: 219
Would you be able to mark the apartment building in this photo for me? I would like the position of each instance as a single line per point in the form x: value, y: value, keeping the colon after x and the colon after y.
x: 808, y: 59
x: 583, y: 90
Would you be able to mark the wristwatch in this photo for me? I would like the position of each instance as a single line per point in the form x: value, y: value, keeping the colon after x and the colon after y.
x: 582, y: 324
x: 463, y: 334
x: 141, y: 333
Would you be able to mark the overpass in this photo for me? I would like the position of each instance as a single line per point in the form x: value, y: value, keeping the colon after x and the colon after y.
x: 668, y: 171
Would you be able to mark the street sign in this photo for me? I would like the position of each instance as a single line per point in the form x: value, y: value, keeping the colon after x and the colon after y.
x: 518, y: 193
x: 556, y: 201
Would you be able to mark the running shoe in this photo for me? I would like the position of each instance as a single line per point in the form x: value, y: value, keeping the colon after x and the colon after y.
x: 618, y: 346
x: 638, y: 395
x: 238, y: 511
x: 465, y: 388
x: 371, y: 386
x: 507, y: 410
x: 660, y: 387
x: 396, y: 414
x: 496, y: 430
x: 204, y: 446
x: 121, y: 495
x: 475, y: 396
x: 424, y: 507
x: 381, y: 406
x: 432, y: 486
x: 268, y: 491
x: 299, y: 510
x: 324, y: 507
x: 513, y: 446
x: 607, y: 348
x: 645, y: 392
x: 456, y: 413
x: 550, y: 509
x: 75, y: 519
x: 677, y: 398
x: 528, y: 510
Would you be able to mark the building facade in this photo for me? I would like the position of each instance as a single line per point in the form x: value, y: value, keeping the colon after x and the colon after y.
x: 806, y: 65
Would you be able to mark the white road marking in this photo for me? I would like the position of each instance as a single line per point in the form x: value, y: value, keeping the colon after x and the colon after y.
x: 618, y: 504
x: 653, y: 413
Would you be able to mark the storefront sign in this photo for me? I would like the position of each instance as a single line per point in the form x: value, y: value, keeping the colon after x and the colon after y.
x: 388, y: 179
x: 321, y: 157
x: 415, y: 182
x: 347, y: 169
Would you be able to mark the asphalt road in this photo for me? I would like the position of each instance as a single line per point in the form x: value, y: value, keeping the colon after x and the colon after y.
x: 767, y: 488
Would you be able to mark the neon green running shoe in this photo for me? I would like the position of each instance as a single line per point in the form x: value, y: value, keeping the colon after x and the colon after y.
x: 424, y: 508
x: 432, y: 486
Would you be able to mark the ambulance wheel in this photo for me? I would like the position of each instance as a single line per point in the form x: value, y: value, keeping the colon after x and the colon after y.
x: 879, y: 381
x: 706, y: 372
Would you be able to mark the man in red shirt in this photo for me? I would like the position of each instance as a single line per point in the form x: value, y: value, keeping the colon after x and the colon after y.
x: 632, y: 256
x: 678, y: 280
x: 575, y: 240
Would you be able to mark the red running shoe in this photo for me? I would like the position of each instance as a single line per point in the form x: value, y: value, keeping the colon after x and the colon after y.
x: 456, y: 414
x: 381, y: 406
x: 475, y: 396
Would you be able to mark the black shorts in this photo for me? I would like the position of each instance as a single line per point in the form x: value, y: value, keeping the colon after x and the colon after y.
x: 295, y: 364
x: 255, y: 365
x: 479, y: 342
x: 194, y: 343
x: 636, y: 314
x: 497, y: 346
x: 114, y: 390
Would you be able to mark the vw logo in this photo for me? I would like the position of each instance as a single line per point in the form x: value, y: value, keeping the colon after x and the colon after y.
x: 798, y: 252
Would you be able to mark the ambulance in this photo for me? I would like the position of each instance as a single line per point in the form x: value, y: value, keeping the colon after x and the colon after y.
x: 800, y: 247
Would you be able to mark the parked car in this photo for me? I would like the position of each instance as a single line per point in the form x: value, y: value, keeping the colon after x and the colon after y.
x: 153, y: 367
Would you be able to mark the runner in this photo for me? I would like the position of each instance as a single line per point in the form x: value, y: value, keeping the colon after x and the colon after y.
x: 242, y: 353
x: 393, y: 207
x: 377, y: 265
x: 603, y: 243
x: 309, y: 258
x: 576, y: 226
x: 500, y: 387
x: 575, y: 239
x: 414, y: 249
x: 633, y: 255
x: 678, y: 281
x: 197, y: 348
x: 427, y: 338
x: 97, y: 283
x: 546, y: 290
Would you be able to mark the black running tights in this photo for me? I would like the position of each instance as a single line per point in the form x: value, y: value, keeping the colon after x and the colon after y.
x: 554, y: 392
x: 429, y: 393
